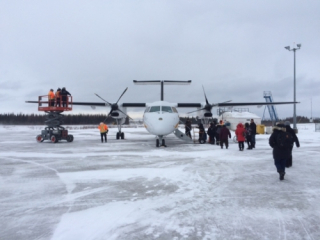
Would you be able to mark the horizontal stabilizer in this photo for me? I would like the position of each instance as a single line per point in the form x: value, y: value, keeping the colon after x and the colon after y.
x: 158, y: 82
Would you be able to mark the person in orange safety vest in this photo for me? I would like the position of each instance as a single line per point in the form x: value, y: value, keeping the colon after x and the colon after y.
x: 103, y: 131
x: 58, y: 102
x: 51, y: 97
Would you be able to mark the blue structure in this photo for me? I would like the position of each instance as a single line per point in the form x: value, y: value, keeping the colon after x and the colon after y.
x: 271, y: 108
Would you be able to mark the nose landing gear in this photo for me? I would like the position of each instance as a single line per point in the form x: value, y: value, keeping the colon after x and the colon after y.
x: 160, y: 139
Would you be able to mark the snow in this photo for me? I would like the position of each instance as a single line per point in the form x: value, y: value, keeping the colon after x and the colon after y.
x: 129, y: 189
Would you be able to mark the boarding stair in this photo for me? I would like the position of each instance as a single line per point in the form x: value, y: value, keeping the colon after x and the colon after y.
x: 271, y: 108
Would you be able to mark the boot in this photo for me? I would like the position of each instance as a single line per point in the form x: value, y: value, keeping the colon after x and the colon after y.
x: 282, y: 175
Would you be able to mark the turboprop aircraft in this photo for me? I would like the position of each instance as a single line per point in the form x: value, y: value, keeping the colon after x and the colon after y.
x: 161, y: 118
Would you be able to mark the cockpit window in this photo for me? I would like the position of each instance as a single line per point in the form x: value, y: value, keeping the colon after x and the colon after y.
x: 155, y: 109
x: 147, y: 109
x: 166, y: 109
x: 174, y: 110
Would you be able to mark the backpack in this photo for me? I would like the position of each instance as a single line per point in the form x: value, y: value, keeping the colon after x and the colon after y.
x: 284, y: 140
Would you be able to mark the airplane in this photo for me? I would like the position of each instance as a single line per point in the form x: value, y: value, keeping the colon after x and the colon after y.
x: 161, y: 118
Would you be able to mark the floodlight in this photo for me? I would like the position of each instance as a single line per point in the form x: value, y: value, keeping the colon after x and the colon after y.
x: 288, y: 48
x: 299, y: 45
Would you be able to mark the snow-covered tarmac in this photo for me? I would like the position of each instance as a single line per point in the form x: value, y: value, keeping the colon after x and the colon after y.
x: 129, y: 189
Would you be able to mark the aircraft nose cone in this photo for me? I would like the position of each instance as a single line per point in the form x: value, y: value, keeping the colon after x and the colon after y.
x: 161, y: 125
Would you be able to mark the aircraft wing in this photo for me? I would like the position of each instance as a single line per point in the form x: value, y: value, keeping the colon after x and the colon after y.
x: 101, y: 104
x: 232, y: 104
x: 189, y: 105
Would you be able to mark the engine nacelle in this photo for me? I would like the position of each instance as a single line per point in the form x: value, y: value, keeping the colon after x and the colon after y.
x: 208, y: 114
x: 114, y: 114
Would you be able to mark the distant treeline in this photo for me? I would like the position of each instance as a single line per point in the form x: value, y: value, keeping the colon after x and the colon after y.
x: 39, y: 119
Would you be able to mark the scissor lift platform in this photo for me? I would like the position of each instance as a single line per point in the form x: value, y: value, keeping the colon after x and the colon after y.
x: 54, y: 131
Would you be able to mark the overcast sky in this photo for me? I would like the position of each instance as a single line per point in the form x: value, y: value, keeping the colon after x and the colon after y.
x: 235, y: 49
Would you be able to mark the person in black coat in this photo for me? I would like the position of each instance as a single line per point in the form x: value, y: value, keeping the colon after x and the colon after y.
x: 212, y: 133
x: 248, y: 135
x: 224, y: 134
x: 218, y: 130
x: 280, y: 153
x: 295, y: 139
x: 64, y: 96
x: 253, y: 127
x: 188, y: 128
x: 202, y: 132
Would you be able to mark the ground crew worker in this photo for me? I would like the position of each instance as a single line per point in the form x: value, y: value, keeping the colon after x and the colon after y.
x: 103, y: 131
x: 58, y: 103
x: 51, y: 98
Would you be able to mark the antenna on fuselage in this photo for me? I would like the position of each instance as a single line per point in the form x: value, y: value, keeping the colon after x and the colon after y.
x: 161, y: 82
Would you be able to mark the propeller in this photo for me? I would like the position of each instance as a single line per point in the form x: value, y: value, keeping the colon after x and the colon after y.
x: 114, y: 106
x: 208, y: 106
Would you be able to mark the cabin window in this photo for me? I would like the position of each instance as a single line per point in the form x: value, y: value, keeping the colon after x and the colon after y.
x: 155, y: 109
x: 166, y: 109
x: 174, y: 110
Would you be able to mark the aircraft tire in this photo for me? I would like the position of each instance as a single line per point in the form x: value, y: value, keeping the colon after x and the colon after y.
x: 122, y: 135
x: 157, y: 143
x: 118, y: 135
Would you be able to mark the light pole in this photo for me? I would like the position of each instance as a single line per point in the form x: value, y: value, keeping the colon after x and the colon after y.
x: 294, y: 84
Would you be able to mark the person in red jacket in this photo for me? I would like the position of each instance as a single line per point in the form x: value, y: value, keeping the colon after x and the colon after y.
x: 224, y: 134
x: 240, y: 133
x: 103, y: 131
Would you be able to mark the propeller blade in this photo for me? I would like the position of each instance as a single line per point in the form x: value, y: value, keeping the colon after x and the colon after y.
x: 122, y: 94
x: 103, y: 99
x: 125, y: 114
x: 205, y: 95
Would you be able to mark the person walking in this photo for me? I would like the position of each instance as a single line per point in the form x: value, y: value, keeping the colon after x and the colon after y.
x: 218, y: 130
x: 64, y: 97
x: 224, y: 134
x: 281, y: 141
x: 248, y: 135
x: 188, y: 128
x: 212, y: 133
x: 253, y: 127
x: 295, y: 140
x: 241, y: 136
x: 51, y: 98
x: 103, y: 131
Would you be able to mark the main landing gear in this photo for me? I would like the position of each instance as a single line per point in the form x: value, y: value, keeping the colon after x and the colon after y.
x: 120, y: 135
x: 160, y: 140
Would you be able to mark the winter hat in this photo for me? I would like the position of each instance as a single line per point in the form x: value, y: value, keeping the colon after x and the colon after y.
x: 287, y: 123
